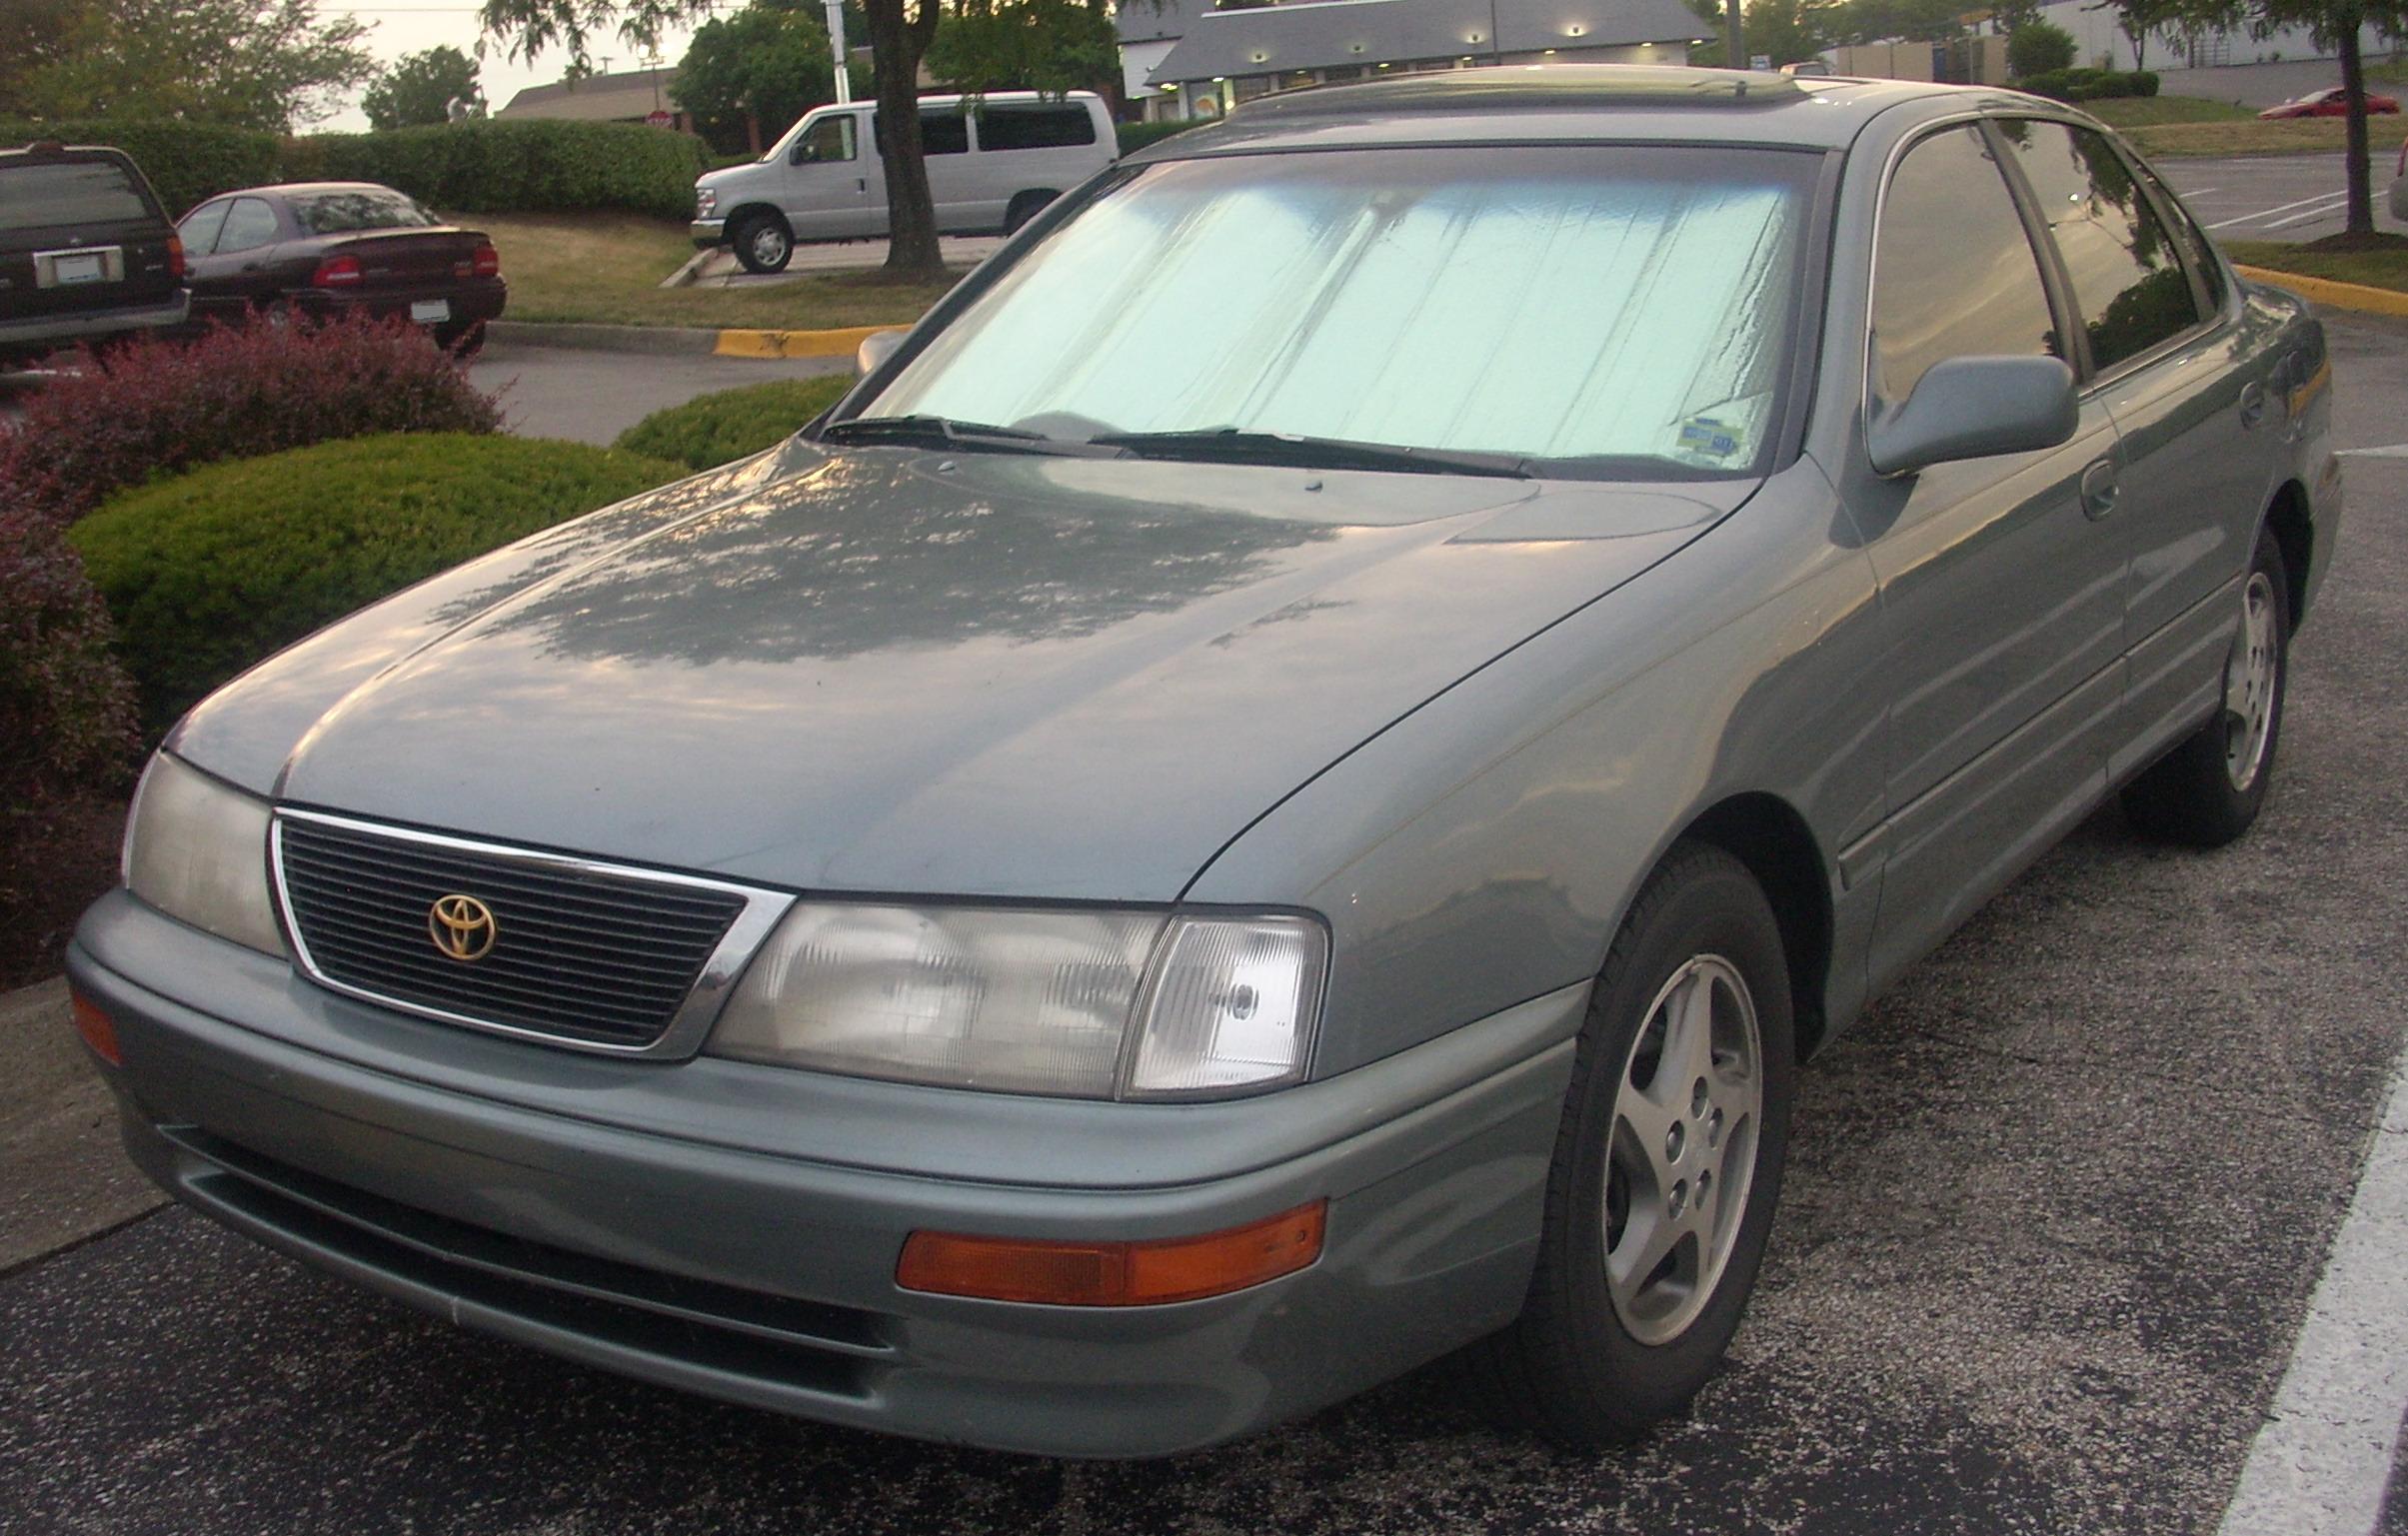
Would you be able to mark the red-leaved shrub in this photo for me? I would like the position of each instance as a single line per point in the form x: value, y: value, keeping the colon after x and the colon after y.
x: 66, y: 707
x: 148, y: 408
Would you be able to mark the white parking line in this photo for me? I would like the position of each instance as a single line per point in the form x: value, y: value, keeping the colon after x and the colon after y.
x: 2338, y: 201
x: 2389, y: 451
x: 2266, y: 212
x: 2320, y: 1466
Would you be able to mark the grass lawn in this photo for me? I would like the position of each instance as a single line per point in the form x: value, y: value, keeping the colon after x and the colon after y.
x: 606, y: 268
x: 2244, y: 137
x: 2379, y: 261
x: 2155, y: 111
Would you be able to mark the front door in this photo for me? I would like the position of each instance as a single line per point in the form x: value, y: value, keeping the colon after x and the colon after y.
x: 829, y: 175
x: 2001, y: 593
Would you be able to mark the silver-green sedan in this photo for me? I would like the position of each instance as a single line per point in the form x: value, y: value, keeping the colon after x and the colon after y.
x: 1281, y: 789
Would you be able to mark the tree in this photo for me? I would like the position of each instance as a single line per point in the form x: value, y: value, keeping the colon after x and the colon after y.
x: 899, y: 32
x: 2039, y: 48
x: 420, y: 89
x: 249, y: 63
x: 767, y: 64
x: 2136, y: 19
x: 1031, y: 45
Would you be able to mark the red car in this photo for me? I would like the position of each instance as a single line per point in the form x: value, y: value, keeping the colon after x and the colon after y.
x: 2330, y: 102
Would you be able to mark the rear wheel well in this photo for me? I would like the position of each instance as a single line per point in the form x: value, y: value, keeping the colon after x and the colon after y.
x: 1766, y: 835
x: 2287, y: 519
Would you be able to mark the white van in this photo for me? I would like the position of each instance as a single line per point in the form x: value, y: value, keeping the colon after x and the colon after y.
x: 991, y: 164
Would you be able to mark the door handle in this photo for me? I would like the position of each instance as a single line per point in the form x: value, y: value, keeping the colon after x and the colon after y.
x: 860, y: 183
x: 2099, y: 490
x: 2253, y: 402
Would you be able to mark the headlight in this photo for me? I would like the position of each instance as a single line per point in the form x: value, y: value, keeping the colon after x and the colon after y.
x: 198, y: 851
x: 1091, y: 1004
x: 706, y: 201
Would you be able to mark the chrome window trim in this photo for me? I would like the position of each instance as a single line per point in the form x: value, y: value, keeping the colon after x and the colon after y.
x: 688, y: 1028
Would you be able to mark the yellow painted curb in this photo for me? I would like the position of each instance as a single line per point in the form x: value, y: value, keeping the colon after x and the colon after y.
x: 2342, y: 296
x: 795, y: 344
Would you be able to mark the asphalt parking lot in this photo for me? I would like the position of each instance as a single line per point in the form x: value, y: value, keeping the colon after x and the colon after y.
x: 2055, y: 1214
x: 2282, y: 197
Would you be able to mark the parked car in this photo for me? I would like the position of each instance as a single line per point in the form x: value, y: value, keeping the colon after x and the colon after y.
x: 990, y: 166
x: 2332, y: 102
x: 324, y: 248
x: 86, y: 252
x: 1281, y: 789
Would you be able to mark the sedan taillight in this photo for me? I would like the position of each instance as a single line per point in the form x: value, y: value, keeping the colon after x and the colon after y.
x: 488, y: 261
x: 175, y: 259
x: 337, y: 272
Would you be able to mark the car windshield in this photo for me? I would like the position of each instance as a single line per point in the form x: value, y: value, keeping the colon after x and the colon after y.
x: 359, y: 208
x: 1625, y: 304
x: 34, y: 195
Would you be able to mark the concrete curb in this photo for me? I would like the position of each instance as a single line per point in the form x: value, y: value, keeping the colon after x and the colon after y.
x: 665, y: 340
x: 2341, y: 296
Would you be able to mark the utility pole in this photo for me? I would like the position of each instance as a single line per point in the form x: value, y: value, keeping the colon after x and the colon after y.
x: 1735, y: 56
x: 835, y: 45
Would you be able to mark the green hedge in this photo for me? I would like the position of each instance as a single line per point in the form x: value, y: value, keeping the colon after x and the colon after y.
x: 1136, y: 136
x: 2091, y: 84
x: 186, y: 162
x: 210, y: 571
x: 532, y: 166
x: 720, y: 428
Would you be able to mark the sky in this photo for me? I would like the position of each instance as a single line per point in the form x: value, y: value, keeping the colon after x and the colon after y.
x: 400, y: 27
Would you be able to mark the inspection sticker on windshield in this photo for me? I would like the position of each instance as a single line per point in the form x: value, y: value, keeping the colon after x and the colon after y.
x: 1705, y: 435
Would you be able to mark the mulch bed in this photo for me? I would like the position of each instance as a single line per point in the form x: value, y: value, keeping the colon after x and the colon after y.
x: 54, y: 862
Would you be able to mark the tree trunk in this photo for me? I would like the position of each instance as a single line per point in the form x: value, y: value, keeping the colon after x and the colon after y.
x: 751, y: 133
x: 2353, y: 79
x: 897, y: 41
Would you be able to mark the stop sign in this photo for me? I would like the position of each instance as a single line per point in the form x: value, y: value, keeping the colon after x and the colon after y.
x: 656, y: 118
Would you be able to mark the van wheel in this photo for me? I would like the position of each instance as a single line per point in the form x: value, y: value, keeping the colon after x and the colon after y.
x: 1024, y: 207
x: 2207, y: 791
x: 762, y: 242
x: 1668, y: 1163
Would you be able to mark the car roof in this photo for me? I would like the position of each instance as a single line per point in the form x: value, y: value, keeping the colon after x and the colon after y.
x: 305, y: 189
x: 1582, y: 102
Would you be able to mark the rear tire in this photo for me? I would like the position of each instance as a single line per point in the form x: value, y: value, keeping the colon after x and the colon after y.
x: 762, y: 242
x: 2207, y: 790
x: 1668, y: 1163
x: 463, y: 340
x: 1024, y: 207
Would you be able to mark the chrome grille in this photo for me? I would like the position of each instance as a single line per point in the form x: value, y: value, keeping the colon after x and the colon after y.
x: 588, y: 955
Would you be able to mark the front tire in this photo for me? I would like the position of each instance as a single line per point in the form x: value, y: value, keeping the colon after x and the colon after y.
x: 762, y: 242
x: 2207, y: 791
x: 1667, y: 1165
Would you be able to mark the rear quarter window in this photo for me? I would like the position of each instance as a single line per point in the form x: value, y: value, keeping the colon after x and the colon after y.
x: 36, y: 195
x: 1035, y: 127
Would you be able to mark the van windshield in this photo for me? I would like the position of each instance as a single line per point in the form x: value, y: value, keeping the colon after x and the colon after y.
x: 1620, y: 304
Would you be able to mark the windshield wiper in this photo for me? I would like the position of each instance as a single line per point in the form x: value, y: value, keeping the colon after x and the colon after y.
x: 931, y: 428
x: 1231, y: 445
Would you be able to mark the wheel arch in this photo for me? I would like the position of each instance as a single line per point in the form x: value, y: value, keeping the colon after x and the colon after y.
x: 1769, y: 836
x: 2294, y: 531
x: 744, y: 211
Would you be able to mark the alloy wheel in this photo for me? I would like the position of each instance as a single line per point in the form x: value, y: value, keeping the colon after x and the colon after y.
x: 2249, y: 680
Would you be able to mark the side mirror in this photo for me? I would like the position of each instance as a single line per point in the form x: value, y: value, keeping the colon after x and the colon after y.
x: 1971, y: 408
x: 873, y: 350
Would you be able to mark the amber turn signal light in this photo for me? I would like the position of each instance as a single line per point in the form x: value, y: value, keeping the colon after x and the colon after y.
x: 1112, y: 1274
x: 95, y: 1027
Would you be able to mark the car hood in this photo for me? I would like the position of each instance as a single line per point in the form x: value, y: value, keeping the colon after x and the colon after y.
x: 893, y: 671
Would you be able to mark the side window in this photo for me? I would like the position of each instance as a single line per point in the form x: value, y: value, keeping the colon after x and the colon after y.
x: 200, y: 227
x: 829, y: 140
x: 250, y: 224
x: 1035, y: 127
x: 1953, y: 272
x: 944, y: 133
x: 2192, y: 238
x: 2128, y: 280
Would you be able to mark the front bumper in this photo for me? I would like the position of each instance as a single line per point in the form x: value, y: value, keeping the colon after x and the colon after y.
x: 733, y: 1229
x: 709, y: 232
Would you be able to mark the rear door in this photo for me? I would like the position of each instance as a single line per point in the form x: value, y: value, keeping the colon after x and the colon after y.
x: 953, y: 179
x: 237, y: 273
x: 79, y: 233
x: 2002, y: 597
x: 1034, y: 145
x: 2196, y: 412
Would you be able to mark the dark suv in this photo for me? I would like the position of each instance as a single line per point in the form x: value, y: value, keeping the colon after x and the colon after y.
x: 86, y: 252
